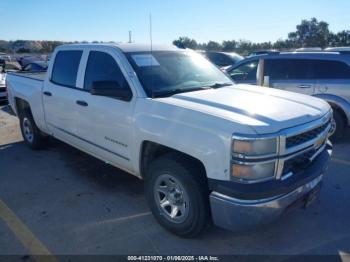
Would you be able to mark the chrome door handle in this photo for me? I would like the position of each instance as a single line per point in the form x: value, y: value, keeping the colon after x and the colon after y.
x: 304, y: 86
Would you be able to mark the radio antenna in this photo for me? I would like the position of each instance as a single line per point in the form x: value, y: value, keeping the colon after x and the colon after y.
x: 151, y: 39
x: 150, y: 31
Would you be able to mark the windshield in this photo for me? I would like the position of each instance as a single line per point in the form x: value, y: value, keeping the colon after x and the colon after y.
x: 164, y: 73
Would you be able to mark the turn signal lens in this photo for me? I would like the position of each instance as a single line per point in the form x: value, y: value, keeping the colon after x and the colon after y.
x: 253, y: 171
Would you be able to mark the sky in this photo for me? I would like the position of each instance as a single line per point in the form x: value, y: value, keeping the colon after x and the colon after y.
x: 203, y: 20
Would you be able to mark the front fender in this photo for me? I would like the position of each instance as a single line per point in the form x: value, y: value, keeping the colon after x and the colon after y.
x: 198, y: 134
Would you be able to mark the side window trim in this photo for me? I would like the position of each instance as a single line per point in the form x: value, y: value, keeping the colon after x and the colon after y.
x: 81, y: 71
x: 76, y: 81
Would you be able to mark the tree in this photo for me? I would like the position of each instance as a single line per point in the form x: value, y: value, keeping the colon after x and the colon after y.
x: 185, y: 42
x: 340, y: 39
x: 310, y: 33
x: 213, y: 46
x: 229, y: 46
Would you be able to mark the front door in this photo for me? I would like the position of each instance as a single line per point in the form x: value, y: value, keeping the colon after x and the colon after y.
x: 105, y: 123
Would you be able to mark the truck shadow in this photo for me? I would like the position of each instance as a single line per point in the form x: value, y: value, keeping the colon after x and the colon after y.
x: 100, y: 179
x: 96, y: 171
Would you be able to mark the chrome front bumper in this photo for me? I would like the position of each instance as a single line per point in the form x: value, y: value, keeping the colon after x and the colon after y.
x: 237, y: 214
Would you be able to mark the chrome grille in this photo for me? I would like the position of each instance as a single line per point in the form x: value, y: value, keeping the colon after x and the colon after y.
x: 305, y: 137
x: 298, y: 163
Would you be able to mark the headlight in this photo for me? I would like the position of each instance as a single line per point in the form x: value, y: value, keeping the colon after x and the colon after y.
x: 256, y: 171
x: 258, y: 147
x: 252, y: 158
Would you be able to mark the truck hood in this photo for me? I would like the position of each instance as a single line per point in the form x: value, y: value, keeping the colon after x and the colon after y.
x: 265, y: 110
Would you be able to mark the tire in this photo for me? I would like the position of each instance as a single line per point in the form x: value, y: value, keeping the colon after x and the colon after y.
x: 31, y: 134
x: 339, y: 126
x: 190, y: 195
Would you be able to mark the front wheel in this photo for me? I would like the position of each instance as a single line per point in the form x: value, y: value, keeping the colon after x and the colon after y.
x: 177, y: 195
x: 30, y: 132
x: 339, y: 126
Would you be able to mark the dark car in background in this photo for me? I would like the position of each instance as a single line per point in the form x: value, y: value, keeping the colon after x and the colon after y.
x: 25, y: 60
x: 262, y: 52
x: 37, y: 66
x: 222, y: 59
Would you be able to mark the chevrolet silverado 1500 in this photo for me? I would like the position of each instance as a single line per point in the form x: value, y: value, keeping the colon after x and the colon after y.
x: 207, y: 149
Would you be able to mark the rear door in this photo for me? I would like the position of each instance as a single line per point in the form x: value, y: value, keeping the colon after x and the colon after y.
x: 59, y: 95
x: 333, y: 77
x: 105, y: 123
x: 290, y: 74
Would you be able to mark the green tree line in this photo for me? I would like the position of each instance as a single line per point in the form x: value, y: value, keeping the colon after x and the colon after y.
x: 309, y: 33
x: 32, y: 46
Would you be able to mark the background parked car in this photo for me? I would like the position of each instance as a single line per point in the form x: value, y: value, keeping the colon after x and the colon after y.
x: 322, y: 74
x: 25, y: 60
x: 6, y: 65
x: 3, y: 94
x: 222, y: 59
x: 37, y: 66
x: 262, y: 52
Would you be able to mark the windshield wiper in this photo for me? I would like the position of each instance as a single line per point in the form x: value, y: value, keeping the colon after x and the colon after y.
x: 218, y: 85
x: 175, y: 91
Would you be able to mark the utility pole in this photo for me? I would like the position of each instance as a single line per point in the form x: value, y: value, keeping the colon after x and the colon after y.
x: 130, y: 40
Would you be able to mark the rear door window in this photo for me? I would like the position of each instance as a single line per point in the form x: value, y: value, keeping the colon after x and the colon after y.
x: 288, y: 69
x: 325, y: 69
x: 65, y: 68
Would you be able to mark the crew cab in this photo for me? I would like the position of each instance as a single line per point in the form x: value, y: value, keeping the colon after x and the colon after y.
x: 207, y: 149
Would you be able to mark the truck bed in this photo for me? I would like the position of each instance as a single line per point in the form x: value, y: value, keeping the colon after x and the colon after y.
x: 32, y: 75
x: 28, y: 87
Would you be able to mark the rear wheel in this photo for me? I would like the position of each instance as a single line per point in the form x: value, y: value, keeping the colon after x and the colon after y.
x: 177, y: 195
x: 30, y: 132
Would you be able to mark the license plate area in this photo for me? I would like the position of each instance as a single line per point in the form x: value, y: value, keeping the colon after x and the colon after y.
x: 311, y: 197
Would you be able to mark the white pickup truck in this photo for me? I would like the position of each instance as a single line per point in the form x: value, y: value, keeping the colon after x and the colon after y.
x: 208, y: 150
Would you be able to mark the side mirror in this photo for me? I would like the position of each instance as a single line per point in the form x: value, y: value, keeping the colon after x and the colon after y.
x: 110, y: 89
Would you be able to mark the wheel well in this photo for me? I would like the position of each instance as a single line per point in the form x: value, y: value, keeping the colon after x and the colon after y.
x: 21, y: 105
x: 150, y: 151
x: 337, y: 108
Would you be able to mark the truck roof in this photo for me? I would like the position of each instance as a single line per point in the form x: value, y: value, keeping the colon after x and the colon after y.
x: 128, y: 47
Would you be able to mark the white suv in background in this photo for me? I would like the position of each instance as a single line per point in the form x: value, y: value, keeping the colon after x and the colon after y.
x: 322, y: 74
